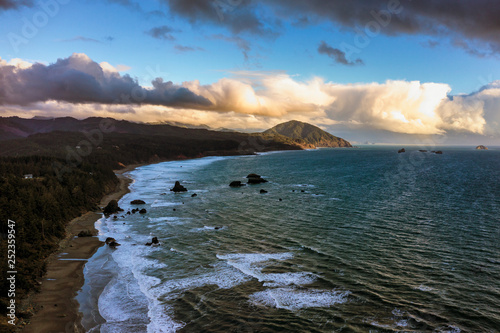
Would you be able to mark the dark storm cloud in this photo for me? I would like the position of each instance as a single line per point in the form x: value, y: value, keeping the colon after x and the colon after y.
x: 476, y: 20
x: 237, y: 15
x: 162, y: 32
x: 337, y: 55
x: 78, y: 79
x: 473, y: 19
x: 14, y: 4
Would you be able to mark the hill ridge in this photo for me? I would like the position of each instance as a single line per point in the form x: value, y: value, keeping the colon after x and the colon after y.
x: 306, y: 135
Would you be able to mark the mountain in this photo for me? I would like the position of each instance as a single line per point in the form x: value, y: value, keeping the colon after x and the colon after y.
x: 306, y: 135
x: 123, y: 142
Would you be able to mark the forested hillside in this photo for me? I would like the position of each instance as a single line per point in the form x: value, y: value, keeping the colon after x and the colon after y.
x: 41, y: 207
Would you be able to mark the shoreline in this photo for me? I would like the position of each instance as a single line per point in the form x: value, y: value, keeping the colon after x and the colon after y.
x: 57, y: 309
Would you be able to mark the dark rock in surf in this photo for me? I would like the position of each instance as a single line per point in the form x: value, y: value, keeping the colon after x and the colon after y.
x: 255, y: 179
x: 178, y: 188
x: 194, y: 195
x: 137, y: 202
x: 236, y: 183
x: 402, y: 150
x: 109, y: 239
x: 154, y: 241
x: 113, y: 244
x: 262, y: 191
x: 112, y: 207
x: 143, y: 211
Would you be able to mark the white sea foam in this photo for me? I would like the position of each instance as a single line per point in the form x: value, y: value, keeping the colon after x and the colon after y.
x: 130, y: 301
x: 121, y: 301
x: 160, y: 203
x: 208, y: 228
x: 450, y: 329
x: 252, y: 264
x: 295, y: 299
x: 424, y: 288
x: 222, y: 277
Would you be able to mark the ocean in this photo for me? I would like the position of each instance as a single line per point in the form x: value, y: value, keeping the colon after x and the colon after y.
x: 344, y: 240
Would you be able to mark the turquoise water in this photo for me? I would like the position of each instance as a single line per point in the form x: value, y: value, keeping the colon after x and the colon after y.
x: 362, y: 240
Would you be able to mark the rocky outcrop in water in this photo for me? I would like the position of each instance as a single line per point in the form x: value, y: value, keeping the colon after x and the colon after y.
x: 178, y: 188
x: 402, y: 150
x: 255, y: 179
x: 481, y: 147
x: 111, y: 242
x: 236, y: 183
x: 143, y: 211
x: 153, y: 242
x: 137, y: 202
x: 111, y: 208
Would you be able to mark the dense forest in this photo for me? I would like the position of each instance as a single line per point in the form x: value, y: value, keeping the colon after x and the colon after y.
x: 41, y: 206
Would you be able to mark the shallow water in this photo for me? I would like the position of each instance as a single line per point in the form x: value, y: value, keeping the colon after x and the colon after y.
x: 363, y: 239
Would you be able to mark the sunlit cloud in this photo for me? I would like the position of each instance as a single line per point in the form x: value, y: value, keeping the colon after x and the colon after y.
x: 245, y: 100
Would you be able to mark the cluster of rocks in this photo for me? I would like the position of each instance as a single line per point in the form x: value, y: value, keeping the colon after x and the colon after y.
x: 112, y: 243
x: 253, y: 178
x: 137, y: 210
x: 402, y: 150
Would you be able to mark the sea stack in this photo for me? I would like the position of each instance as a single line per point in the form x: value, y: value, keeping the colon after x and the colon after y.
x: 255, y: 179
x: 178, y: 188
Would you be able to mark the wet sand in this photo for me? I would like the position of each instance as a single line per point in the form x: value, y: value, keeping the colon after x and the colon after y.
x: 57, y: 309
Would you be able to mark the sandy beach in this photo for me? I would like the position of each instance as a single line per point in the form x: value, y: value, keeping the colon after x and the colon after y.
x: 55, y: 304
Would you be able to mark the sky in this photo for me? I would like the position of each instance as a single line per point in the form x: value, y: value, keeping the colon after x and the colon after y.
x: 379, y: 71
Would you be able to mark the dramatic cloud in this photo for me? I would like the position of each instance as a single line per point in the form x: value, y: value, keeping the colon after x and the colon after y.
x: 237, y: 15
x: 337, y: 55
x: 14, y: 4
x: 78, y: 79
x: 162, y: 32
x: 246, y: 99
x: 474, y: 23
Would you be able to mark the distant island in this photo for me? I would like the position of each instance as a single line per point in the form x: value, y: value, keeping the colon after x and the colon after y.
x: 481, y: 147
x: 305, y: 135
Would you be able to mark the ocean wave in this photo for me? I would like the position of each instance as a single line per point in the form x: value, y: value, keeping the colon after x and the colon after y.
x: 295, y: 299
